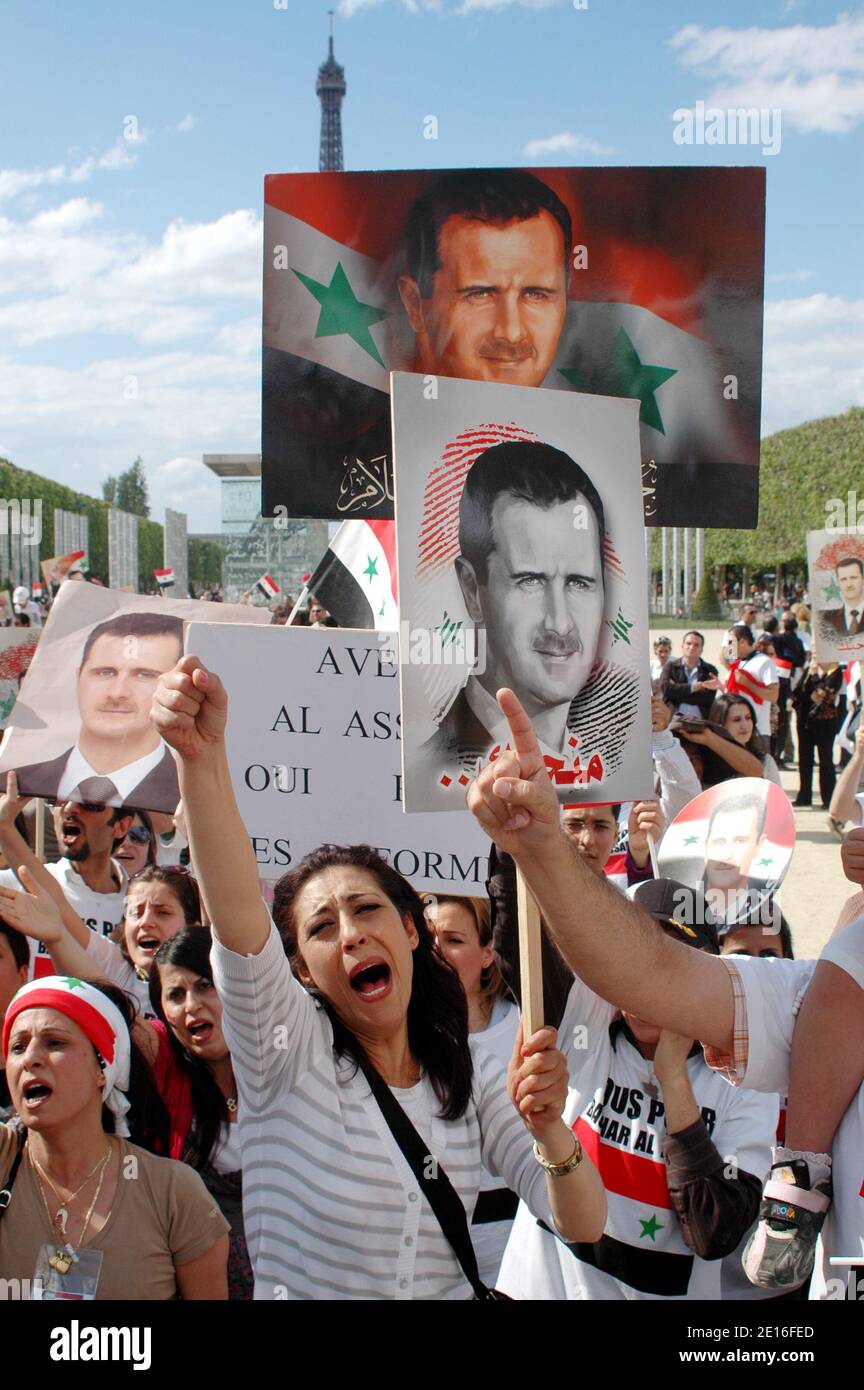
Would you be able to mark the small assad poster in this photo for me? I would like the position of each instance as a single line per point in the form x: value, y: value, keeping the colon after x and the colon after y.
x: 836, y: 563
x: 80, y: 728
x: 313, y: 747
x: 521, y: 558
x: 733, y: 843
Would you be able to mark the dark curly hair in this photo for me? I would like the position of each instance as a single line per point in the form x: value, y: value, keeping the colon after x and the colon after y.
x: 437, y: 1011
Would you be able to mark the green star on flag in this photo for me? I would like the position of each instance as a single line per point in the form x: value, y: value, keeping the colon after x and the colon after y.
x: 619, y: 627
x: 832, y: 590
x: 73, y: 982
x: 343, y: 312
x: 650, y: 1228
x: 767, y: 862
x: 371, y: 568
x: 691, y: 839
x: 625, y: 374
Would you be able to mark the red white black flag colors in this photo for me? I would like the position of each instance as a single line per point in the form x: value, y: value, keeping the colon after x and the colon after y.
x: 356, y: 578
x: 268, y: 587
x: 164, y: 578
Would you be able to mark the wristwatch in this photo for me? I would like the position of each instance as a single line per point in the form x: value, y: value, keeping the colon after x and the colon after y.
x: 560, y: 1170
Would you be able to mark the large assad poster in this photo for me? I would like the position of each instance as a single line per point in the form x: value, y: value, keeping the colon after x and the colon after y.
x: 639, y: 283
x: 521, y: 556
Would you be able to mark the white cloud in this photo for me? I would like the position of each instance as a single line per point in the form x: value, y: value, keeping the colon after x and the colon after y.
x: 781, y: 277
x: 814, y: 74
x: 71, y: 274
x: 79, y: 425
x: 186, y: 376
x: 565, y: 142
x: 814, y: 359
x: 187, y: 123
x: 120, y: 155
x: 471, y: 6
x: 348, y: 8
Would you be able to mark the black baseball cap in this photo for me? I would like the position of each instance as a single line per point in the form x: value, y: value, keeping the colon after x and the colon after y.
x: 683, y: 911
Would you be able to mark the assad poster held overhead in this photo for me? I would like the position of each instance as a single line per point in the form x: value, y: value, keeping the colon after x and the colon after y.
x: 639, y: 283
x: 733, y: 843
x: 80, y: 729
x: 521, y: 558
x: 835, y: 560
x: 313, y: 748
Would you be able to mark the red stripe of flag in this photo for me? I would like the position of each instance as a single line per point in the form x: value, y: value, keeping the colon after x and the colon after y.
x: 385, y: 532
x: 630, y: 1175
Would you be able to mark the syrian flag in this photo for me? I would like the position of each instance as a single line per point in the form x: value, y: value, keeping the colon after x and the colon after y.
x: 356, y: 579
x: 164, y: 578
x: 267, y: 586
x: 36, y: 589
x: 59, y: 567
x: 667, y: 309
x: 756, y: 835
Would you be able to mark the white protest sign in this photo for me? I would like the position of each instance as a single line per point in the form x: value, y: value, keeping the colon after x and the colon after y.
x: 314, y: 751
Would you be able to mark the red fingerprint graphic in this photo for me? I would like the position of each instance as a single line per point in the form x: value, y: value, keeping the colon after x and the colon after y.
x: 438, y: 543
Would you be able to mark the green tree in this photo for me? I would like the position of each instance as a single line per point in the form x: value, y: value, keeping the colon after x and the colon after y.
x: 707, y: 603
x: 131, y: 494
x: 109, y: 491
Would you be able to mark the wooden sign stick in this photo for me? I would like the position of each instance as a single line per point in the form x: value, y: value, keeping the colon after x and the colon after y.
x: 530, y: 958
x: 40, y: 831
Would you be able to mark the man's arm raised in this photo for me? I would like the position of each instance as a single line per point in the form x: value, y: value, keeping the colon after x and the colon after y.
x: 190, y: 710
x: 613, y: 945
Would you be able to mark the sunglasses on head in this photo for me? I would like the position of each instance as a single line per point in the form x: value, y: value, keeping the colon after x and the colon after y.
x: 95, y: 806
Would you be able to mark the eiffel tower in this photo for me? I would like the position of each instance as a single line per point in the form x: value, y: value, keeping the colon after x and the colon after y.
x: 331, y: 89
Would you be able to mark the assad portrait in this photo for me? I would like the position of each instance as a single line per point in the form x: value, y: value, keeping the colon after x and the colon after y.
x: 531, y: 571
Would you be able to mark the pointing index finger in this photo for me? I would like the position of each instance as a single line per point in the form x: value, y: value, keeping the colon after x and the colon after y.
x: 524, y: 738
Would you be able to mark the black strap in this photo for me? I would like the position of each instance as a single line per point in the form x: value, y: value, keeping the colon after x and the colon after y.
x: 434, y: 1182
x: 6, y: 1190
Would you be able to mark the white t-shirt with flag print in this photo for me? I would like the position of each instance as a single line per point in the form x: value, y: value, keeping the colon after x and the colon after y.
x: 615, y: 1108
x: 763, y: 670
x: 99, y: 911
x: 773, y: 991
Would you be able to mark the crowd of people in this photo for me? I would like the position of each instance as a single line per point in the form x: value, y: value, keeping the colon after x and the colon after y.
x: 335, y: 1096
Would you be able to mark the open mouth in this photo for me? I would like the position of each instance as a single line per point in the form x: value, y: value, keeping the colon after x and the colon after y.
x: 70, y: 831
x: 372, y: 981
x: 200, y: 1032
x: 35, y: 1092
x: 148, y: 945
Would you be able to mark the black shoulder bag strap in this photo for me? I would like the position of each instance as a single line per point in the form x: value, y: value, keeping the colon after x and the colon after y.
x: 6, y: 1189
x: 436, y: 1186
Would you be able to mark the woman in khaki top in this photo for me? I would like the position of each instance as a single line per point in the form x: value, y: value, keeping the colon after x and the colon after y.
x: 78, y: 1191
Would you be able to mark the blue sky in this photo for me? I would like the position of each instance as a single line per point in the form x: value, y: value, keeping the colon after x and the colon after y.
x: 130, y: 267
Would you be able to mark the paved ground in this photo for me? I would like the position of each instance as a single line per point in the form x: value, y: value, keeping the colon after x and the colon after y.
x: 814, y: 889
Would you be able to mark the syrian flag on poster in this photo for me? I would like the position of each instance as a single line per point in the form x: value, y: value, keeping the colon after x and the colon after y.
x: 59, y: 567
x: 164, y: 578
x: 738, y: 834
x: 356, y: 579
x: 664, y: 306
x: 267, y: 586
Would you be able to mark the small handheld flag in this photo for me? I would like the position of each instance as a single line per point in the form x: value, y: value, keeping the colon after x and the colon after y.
x: 268, y: 587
